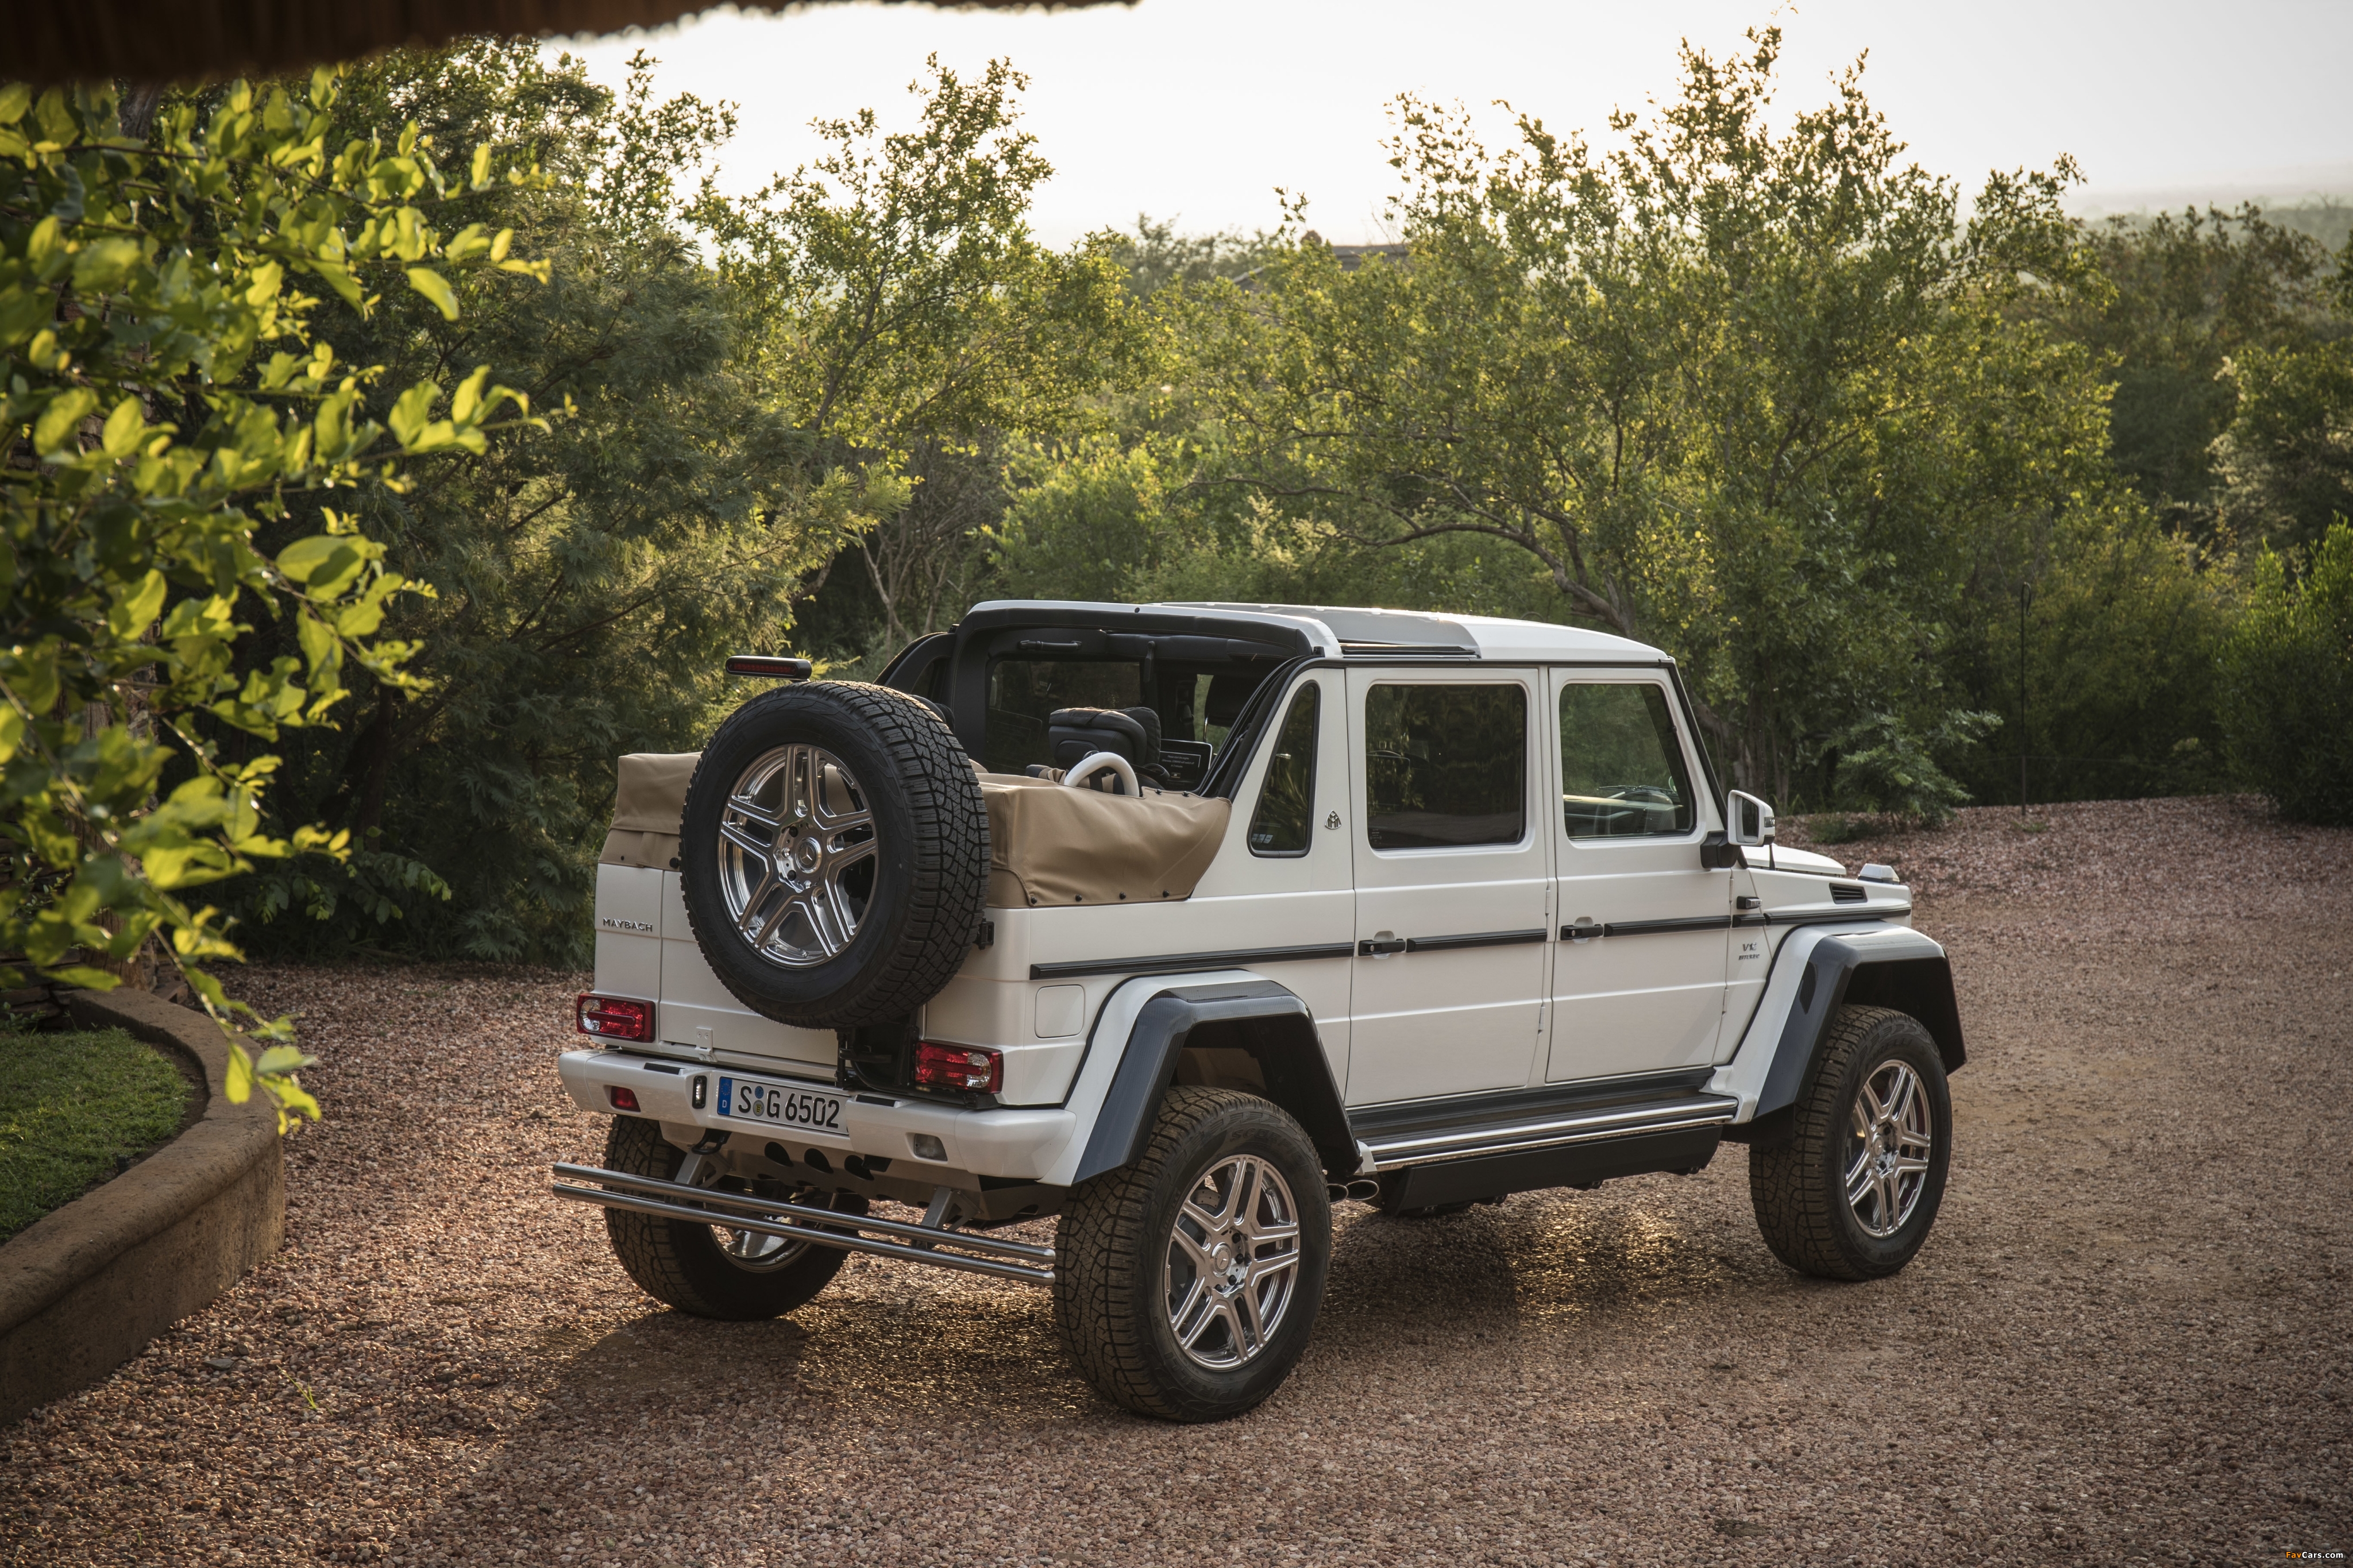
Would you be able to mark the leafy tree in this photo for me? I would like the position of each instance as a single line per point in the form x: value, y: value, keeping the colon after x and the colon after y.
x: 587, y: 580
x: 901, y: 306
x: 2183, y: 300
x: 168, y: 400
x: 1156, y: 255
x: 1756, y: 396
x: 2287, y: 697
x: 2286, y: 461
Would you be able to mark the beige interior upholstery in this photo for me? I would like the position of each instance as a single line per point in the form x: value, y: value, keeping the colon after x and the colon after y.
x: 1048, y: 846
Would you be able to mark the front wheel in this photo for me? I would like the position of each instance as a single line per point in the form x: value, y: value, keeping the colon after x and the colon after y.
x: 1185, y: 1284
x: 1853, y: 1194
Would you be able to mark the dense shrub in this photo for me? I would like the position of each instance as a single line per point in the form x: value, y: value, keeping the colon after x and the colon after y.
x: 2287, y: 678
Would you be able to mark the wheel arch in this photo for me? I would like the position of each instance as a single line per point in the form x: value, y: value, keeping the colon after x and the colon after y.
x: 1889, y: 966
x: 1183, y: 1028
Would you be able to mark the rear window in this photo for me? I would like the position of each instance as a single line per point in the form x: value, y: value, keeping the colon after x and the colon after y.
x: 1445, y: 765
x: 1024, y: 692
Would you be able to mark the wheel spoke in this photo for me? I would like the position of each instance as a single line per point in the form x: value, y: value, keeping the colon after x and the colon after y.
x: 1195, y: 1253
x: 1264, y: 1269
x: 848, y: 855
x: 1250, y: 1323
x: 1878, y: 1109
x: 1907, y: 1084
x: 824, y: 922
x: 733, y: 832
x: 750, y: 810
x: 1859, y: 1181
x: 1194, y: 1313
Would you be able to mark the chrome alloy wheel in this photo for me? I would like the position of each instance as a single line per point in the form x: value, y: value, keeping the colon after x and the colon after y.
x: 1887, y: 1149
x: 797, y: 850
x: 1234, y: 1260
x: 755, y: 1252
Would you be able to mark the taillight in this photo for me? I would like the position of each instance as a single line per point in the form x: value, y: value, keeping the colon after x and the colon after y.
x: 615, y: 1019
x: 958, y: 1066
x: 622, y: 1098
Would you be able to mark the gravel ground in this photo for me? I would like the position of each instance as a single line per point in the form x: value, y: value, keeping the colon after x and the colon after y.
x: 2130, y: 1337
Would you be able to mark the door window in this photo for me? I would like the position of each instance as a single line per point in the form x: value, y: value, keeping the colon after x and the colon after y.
x: 1445, y: 765
x: 1286, y: 800
x: 1621, y: 766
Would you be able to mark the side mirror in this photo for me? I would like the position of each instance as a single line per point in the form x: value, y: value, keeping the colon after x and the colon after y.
x: 1752, y: 819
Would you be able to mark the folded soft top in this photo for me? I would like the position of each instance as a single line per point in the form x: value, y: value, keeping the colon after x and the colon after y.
x: 1048, y: 846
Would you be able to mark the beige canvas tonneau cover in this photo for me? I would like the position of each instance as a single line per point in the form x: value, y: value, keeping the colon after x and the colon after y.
x: 1048, y: 846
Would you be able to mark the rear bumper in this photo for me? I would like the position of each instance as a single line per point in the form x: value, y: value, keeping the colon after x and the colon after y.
x: 1013, y: 1144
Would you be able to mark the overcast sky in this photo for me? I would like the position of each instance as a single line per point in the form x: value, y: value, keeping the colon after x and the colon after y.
x: 1197, y: 110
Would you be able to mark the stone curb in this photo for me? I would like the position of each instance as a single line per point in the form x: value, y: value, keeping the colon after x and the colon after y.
x: 84, y: 1288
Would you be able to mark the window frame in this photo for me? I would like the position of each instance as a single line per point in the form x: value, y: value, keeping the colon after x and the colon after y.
x: 1697, y: 778
x: 1300, y: 692
x: 1529, y: 680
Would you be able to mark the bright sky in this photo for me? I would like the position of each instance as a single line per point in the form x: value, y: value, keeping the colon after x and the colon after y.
x: 1197, y: 110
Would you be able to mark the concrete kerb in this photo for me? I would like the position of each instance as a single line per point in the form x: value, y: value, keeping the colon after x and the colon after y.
x: 84, y: 1288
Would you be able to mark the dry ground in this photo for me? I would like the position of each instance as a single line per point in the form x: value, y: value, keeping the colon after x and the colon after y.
x: 2129, y: 1339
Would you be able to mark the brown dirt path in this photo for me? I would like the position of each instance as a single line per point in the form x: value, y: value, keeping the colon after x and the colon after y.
x: 2129, y: 1339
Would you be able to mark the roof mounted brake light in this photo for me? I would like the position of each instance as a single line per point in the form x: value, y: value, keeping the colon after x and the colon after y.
x: 775, y: 666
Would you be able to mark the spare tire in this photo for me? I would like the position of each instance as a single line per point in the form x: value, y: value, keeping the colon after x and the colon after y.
x: 834, y: 854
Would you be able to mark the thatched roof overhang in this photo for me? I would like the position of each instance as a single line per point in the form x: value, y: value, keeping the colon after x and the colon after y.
x: 187, y: 40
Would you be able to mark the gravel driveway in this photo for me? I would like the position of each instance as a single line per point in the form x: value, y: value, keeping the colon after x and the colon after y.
x: 2129, y: 1339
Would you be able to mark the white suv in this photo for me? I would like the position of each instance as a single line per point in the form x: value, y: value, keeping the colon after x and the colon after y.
x: 1182, y: 923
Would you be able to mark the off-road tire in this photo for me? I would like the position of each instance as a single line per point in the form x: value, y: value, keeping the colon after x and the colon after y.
x: 932, y: 870
x: 677, y: 1262
x: 1110, y: 1267
x: 1799, y: 1189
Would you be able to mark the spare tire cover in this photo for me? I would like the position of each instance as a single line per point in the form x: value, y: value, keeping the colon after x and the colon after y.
x: 834, y: 854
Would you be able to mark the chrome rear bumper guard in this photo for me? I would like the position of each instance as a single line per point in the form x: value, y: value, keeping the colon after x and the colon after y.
x: 802, y: 1222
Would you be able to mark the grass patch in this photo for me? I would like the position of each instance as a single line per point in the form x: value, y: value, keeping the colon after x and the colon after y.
x: 74, y: 1110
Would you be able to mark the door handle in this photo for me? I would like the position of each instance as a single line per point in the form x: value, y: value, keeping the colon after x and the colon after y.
x: 1381, y: 946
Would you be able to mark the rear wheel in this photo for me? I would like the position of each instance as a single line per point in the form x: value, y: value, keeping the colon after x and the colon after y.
x: 709, y: 1271
x: 1185, y: 1284
x: 1853, y: 1192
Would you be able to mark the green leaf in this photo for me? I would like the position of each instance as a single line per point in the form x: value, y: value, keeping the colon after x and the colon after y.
x: 239, y: 1083
x: 466, y: 407
x: 125, y: 428
x: 410, y: 414
x: 54, y: 431
x: 104, y: 264
x: 324, y: 564
x: 15, y: 99
x: 136, y: 606
x: 479, y: 176
x: 435, y: 287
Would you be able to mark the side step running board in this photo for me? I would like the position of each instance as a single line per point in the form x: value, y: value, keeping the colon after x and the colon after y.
x: 1684, y: 1112
x: 804, y: 1222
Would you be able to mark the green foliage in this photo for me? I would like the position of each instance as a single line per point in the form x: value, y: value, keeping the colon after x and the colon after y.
x: 1761, y: 398
x: 902, y: 313
x: 1884, y: 766
x: 2286, y: 462
x: 72, y: 1105
x: 169, y: 400
x: 2287, y: 681
x: 2182, y: 298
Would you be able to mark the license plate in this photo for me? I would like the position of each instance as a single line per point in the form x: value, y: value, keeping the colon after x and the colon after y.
x: 773, y: 1103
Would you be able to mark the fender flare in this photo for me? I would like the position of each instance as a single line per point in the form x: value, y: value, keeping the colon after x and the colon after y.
x: 1259, y: 1016
x: 1815, y: 972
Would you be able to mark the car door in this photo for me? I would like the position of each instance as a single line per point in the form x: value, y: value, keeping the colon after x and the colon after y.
x: 1452, y: 875
x: 1638, y: 972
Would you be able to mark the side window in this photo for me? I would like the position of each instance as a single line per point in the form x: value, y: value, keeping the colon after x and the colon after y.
x: 1286, y: 802
x: 1445, y: 765
x: 1621, y: 767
